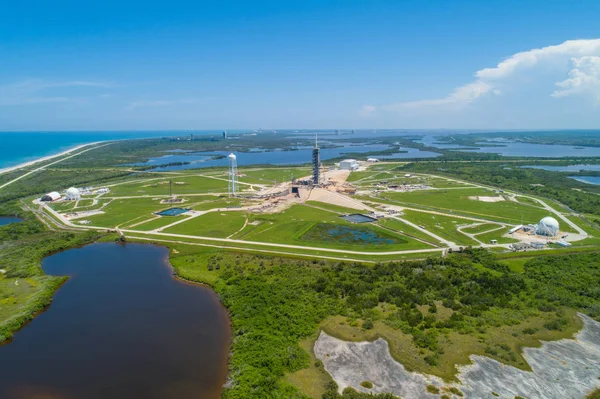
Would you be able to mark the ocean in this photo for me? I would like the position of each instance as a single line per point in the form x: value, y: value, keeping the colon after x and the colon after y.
x: 19, y: 147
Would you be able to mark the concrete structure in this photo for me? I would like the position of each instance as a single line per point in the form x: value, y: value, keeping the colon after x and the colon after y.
x: 232, y: 186
x: 372, y: 160
x: 514, y: 229
x: 316, y: 162
x: 73, y: 194
x: 548, y: 226
x: 53, y: 196
x: 538, y: 245
x: 349, y: 164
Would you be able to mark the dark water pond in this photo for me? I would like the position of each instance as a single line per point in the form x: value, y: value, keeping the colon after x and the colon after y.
x: 122, y: 328
x: 4, y: 220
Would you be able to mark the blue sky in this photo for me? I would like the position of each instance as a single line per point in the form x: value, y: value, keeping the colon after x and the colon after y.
x: 67, y: 65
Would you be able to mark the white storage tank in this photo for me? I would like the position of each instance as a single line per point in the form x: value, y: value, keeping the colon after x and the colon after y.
x: 72, y: 194
x: 548, y: 226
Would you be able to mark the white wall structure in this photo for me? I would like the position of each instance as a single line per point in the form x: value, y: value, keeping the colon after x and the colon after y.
x: 73, y: 194
x: 53, y: 196
x: 548, y: 226
x: 349, y: 164
x: 232, y: 186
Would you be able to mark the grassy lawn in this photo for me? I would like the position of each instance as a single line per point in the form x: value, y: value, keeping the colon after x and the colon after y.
x: 181, y: 185
x: 289, y: 227
x: 83, y: 203
x: 312, y: 380
x: 304, y: 253
x: 269, y: 175
x: 482, y: 228
x: 63, y: 206
x: 212, y: 203
x: 495, y: 235
x: 459, y: 201
x: 212, y: 224
x: 456, y: 347
x: 127, y: 211
x: 155, y: 223
x: 404, y: 228
x: 444, y: 226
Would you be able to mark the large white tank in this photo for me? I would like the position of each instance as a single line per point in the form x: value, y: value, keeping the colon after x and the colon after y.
x: 73, y: 194
x: 548, y: 226
x: 232, y: 157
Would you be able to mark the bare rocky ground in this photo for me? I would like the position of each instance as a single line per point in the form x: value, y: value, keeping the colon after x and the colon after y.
x: 569, y: 368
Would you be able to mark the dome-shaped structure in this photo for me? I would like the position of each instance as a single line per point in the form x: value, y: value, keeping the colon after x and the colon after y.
x: 73, y: 194
x: 548, y: 226
x: 232, y: 156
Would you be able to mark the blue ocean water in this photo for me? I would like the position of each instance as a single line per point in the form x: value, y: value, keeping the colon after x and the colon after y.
x: 19, y: 147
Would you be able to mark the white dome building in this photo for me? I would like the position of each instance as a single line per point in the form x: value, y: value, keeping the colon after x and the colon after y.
x: 73, y: 194
x: 548, y: 226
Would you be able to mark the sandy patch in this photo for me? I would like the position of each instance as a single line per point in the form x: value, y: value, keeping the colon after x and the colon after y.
x: 561, y: 369
x: 487, y: 199
x: 328, y: 197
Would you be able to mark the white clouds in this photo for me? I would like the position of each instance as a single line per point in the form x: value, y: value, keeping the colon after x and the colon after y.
x: 583, y: 78
x: 159, y: 103
x: 37, y: 91
x: 367, y: 111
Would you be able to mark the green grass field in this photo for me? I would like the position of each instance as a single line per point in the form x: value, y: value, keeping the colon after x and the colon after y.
x: 486, y: 238
x: 181, y: 185
x: 459, y: 201
x: 482, y: 228
x: 212, y: 224
x: 127, y: 211
x: 404, y: 228
x: 289, y: 226
x: 270, y: 175
x: 444, y: 226
x: 154, y: 223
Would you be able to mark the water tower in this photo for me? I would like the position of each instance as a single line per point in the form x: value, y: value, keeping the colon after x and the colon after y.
x: 232, y: 187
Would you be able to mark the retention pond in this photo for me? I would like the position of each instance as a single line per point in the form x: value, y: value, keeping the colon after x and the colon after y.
x: 121, y: 327
x: 4, y: 220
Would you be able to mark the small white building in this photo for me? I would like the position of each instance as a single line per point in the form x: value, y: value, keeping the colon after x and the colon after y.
x: 72, y: 194
x: 373, y: 160
x: 349, y: 164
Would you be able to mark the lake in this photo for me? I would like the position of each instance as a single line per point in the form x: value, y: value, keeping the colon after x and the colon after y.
x: 518, y: 149
x: 595, y: 180
x: 121, y: 327
x: 566, y: 168
x: 302, y: 155
x: 4, y: 220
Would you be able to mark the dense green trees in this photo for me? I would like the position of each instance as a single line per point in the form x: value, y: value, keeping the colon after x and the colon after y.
x: 274, y: 303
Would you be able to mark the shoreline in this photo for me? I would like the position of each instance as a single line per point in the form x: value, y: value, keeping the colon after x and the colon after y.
x: 47, y: 158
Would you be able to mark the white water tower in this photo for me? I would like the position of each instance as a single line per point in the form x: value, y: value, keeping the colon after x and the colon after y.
x: 232, y: 175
